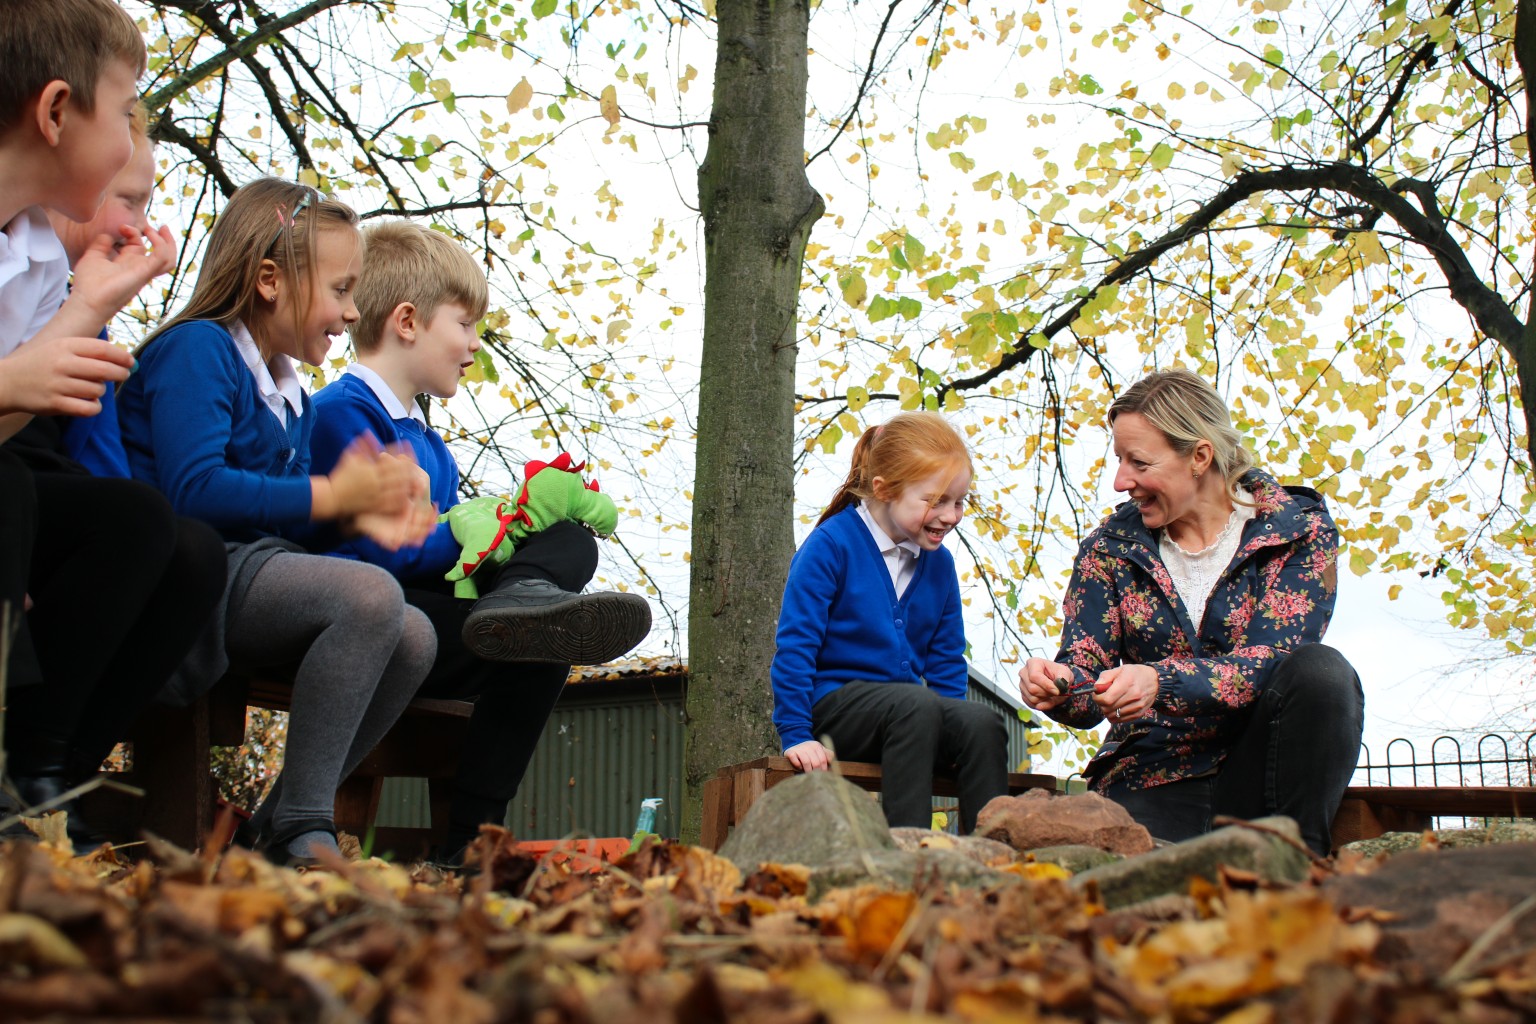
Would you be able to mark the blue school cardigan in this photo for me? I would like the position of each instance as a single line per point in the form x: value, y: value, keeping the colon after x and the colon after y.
x: 194, y: 425
x: 841, y: 622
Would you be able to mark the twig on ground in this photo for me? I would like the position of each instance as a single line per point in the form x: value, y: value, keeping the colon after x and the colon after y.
x: 1461, y: 970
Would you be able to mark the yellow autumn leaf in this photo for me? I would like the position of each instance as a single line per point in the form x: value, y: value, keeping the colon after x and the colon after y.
x: 520, y: 96
x: 1369, y: 247
x: 609, y: 103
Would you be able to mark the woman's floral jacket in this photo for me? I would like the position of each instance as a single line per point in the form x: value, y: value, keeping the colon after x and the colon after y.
x: 1121, y: 607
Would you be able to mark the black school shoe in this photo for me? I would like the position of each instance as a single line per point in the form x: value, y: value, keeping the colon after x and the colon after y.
x: 534, y: 620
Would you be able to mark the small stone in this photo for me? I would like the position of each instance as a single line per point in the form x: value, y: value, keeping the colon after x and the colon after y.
x: 1265, y: 851
x: 1038, y: 818
x: 904, y: 870
x: 982, y: 851
x: 813, y: 819
x: 1075, y: 859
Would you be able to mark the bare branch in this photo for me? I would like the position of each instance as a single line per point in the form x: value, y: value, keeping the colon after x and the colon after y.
x: 243, y: 47
x: 1425, y: 227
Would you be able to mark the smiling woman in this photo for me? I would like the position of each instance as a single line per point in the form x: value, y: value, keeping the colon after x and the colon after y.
x: 1193, y: 623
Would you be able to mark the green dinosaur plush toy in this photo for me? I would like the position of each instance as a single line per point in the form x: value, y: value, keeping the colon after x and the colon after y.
x: 490, y: 528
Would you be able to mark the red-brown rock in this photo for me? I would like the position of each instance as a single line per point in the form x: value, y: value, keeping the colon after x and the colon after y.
x: 1039, y: 819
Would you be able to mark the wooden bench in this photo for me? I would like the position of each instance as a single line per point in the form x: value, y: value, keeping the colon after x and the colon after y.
x: 171, y: 763
x: 730, y: 794
x: 1370, y: 811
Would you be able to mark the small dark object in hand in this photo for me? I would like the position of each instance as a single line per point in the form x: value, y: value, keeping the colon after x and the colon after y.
x: 1063, y: 684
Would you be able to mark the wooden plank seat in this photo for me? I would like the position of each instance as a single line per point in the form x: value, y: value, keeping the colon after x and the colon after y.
x: 1370, y: 811
x: 171, y: 763
x: 730, y: 794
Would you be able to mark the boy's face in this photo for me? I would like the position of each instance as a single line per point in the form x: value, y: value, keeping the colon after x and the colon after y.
x: 445, y: 348
x: 92, y: 148
x: 122, y: 212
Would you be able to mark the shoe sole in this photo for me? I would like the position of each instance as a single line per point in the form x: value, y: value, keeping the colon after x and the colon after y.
x: 593, y: 629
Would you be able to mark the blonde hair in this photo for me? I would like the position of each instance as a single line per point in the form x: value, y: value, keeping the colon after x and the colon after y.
x: 268, y: 219
x: 1186, y: 410
x: 404, y: 262
x: 903, y: 450
x: 43, y: 41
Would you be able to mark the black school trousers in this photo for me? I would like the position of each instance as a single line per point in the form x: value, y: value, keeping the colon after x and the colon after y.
x: 512, y: 700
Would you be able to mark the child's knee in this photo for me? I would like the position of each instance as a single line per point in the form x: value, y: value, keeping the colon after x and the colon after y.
x: 418, y: 641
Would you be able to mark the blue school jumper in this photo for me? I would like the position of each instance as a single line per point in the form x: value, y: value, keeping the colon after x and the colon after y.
x: 841, y: 622
x: 348, y: 408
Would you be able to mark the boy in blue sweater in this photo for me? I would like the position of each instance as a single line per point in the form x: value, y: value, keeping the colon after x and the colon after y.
x: 419, y: 299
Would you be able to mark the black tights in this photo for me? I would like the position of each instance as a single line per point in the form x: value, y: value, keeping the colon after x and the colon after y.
x: 121, y: 588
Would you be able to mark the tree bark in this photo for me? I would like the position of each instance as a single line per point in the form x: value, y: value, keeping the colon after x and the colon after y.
x: 758, y: 208
x: 1525, y: 355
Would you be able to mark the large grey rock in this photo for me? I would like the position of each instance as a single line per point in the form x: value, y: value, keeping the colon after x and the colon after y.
x: 1170, y: 870
x: 1075, y: 859
x: 1437, y: 903
x: 1445, y: 838
x: 812, y: 819
x: 904, y: 869
x: 1038, y: 818
x: 982, y: 851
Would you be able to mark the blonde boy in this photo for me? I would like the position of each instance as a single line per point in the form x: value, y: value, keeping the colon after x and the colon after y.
x: 419, y: 299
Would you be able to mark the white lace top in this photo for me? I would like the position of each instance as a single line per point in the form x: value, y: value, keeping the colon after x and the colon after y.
x: 1195, y: 572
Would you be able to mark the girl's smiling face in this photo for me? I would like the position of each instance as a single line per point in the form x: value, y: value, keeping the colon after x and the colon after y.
x: 925, y: 510
x: 329, y: 309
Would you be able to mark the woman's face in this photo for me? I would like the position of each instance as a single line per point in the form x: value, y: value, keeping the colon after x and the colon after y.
x: 1160, y: 480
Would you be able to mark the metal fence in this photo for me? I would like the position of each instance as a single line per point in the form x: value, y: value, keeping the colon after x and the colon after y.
x: 1493, y: 760
x: 1498, y: 760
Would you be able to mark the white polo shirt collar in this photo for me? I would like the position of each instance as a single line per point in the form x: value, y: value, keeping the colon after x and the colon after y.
x: 385, y: 395
x: 276, y: 380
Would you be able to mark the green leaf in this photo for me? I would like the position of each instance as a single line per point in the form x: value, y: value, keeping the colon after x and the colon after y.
x: 1162, y: 156
x: 858, y: 398
x: 1088, y: 86
x: 880, y: 307
x: 913, y: 250
x: 940, y: 284
x: 829, y: 438
x: 543, y: 8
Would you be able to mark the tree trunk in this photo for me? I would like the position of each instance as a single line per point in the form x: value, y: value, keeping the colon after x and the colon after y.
x: 1525, y: 359
x: 758, y: 209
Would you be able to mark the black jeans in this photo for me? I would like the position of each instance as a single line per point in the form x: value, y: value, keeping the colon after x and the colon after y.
x: 122, y: 588
x: 1299, y: 745
x: 912, y: 731
x: 512, y: 701
x: 18, y: 525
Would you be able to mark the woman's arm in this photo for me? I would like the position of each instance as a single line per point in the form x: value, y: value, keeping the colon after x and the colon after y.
x: 1292, y: 608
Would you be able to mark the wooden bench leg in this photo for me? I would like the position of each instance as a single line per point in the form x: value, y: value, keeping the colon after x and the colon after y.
x: 1361, y: 819
x: 717, y: 812
x: 170, y: 760
x: 746, y: 787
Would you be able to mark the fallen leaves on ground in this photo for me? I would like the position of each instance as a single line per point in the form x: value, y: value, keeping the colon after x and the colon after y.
x: 676, y: 934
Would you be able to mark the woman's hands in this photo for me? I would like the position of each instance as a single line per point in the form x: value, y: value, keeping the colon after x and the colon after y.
x: 809, y: 756
x: 1122, y: 693
x: 1041, y: 683
x: 1126, y: 692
